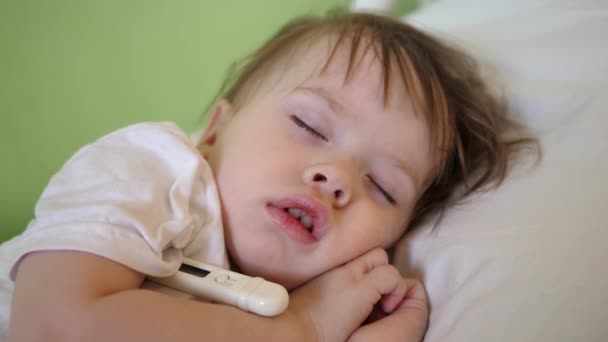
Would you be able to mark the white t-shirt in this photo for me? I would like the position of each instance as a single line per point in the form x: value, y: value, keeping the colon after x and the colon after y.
x: 142, y: 196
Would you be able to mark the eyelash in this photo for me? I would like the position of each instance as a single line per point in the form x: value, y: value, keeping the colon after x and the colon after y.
x: 306, y: 127
x: 385, y: 193
x: 313, y: 132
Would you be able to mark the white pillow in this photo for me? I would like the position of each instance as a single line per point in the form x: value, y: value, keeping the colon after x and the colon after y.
x: 526, y: 262
x: 378, y: 6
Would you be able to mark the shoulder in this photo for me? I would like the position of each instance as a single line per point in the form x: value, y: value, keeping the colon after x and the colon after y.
x: 141, y: 163
x: 161, y: 149
x: 148, y: 134
x: 143, y: 188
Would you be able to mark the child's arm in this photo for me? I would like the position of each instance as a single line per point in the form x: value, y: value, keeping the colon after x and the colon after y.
x: 74, y: 296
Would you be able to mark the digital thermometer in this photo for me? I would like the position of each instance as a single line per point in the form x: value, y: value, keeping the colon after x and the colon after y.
x: 219, y: 285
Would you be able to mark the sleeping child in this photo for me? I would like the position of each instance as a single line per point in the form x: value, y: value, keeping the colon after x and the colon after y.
x: 322, y: 148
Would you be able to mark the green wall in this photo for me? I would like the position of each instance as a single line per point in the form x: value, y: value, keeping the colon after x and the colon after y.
x: 73, y: 70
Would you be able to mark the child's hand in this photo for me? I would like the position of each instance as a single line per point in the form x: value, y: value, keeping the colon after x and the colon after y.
x: 338, y: 302
x: 403, y: 317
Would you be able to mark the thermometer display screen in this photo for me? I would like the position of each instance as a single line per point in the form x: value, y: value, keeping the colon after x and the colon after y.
x: 195, y: 271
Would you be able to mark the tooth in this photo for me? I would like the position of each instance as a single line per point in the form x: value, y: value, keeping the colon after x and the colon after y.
x: 295, y: 212
x: 306, y: 221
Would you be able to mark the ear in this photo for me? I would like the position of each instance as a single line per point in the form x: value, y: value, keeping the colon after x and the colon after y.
x: 220, y: 115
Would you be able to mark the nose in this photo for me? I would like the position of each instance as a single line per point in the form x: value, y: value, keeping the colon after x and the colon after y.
x: 332, y: 180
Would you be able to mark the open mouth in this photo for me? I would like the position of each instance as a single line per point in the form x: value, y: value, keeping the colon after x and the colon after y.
x: 303, y: 217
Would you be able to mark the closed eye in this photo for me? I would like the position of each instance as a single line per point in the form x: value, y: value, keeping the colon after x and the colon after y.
x: 384, y: 193
x: 306, y: 127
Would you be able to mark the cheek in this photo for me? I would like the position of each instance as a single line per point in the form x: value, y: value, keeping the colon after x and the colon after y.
x: 262, y: 141
x: 368, y: 227
x: 249, y: 249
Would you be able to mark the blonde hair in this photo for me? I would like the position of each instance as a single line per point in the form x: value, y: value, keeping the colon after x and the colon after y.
x: 467, y: 122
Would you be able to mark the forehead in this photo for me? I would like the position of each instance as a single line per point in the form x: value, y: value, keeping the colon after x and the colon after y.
x: 329, y: 63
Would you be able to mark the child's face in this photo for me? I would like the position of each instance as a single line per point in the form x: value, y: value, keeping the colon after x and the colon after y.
x: 330, y: 150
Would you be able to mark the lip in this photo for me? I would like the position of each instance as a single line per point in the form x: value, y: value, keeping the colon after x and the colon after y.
x: 294, y: 229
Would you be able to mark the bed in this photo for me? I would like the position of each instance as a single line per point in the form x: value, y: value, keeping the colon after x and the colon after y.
x: 526, y: 262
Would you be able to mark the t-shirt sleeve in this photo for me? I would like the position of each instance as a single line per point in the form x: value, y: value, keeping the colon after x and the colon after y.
x: 140, y: 196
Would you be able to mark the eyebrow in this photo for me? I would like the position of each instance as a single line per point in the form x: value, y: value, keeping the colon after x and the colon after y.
x: 325, y: 95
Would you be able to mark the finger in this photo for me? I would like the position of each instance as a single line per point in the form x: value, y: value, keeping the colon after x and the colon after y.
x: 391, y: 300
x: 408, y: 322
x: 415, y: 297
x: 400, y: 326
x: 387, y: 283
x: 367, y: 262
